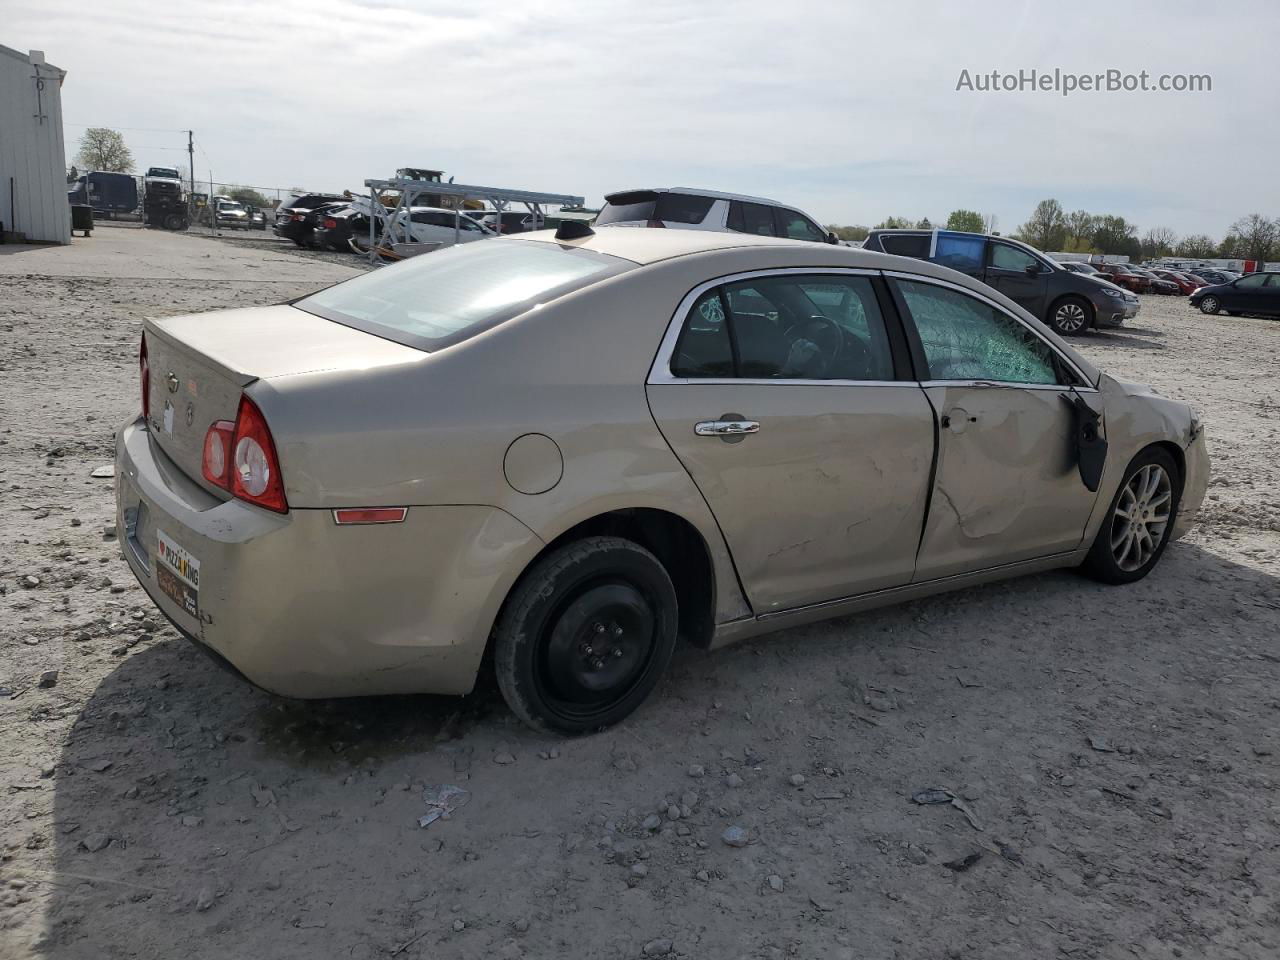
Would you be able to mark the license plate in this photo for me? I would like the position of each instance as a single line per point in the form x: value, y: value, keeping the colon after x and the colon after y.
x: 178, y: 574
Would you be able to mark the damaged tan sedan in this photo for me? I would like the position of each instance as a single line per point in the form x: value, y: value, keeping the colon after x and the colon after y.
x: 575, y: 449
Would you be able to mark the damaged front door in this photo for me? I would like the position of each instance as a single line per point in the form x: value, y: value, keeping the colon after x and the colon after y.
x: 1006, y: 486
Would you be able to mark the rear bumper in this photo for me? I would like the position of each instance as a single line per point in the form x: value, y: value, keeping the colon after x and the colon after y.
x: 304, y: 608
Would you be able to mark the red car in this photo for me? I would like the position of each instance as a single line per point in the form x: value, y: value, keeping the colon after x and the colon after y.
x: 1186, y: 284
x: 1122, y: 276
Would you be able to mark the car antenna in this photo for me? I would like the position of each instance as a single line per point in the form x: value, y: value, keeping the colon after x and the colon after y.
x: 573, y: 230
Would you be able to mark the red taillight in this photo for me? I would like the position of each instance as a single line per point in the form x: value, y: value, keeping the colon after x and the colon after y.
x: 216, y: 462
x: 656, y: 223
x: 250, y: 463
x: 144, y: 373
x: 330, y: 224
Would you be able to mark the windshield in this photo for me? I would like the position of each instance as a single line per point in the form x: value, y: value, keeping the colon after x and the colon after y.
x: 230, y: 205
x: 169, y: 172
x: 441, y: 298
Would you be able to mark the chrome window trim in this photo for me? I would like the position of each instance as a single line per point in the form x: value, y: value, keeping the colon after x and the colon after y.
x: 660, y: 369
x: 921, y: 278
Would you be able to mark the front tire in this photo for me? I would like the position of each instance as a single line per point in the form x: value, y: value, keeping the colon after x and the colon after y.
x: 1071, y: 315
x: 1136, y: 530
x: 585, y: 636
x: 1210, y: 305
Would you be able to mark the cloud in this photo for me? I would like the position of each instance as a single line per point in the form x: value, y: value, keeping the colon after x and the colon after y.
x: 848, y: 110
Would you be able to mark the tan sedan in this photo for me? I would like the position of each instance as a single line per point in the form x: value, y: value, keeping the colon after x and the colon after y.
x: 578, y: 449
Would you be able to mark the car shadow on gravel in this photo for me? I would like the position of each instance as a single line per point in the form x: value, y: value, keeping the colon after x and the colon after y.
x: 1134, y: 338
x: 182, y: 796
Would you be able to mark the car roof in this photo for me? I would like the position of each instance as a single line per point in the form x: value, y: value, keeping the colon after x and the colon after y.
x: 697, y: 192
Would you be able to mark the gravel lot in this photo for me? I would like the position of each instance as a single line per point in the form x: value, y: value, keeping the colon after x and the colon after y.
x: 1115, y: 752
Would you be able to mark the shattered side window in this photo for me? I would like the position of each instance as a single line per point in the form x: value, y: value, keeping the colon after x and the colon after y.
x: 967, y: 339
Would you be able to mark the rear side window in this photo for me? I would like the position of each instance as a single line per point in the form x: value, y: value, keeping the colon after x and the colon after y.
x: 960, y: 251
x: 754, y: 218
x: 965, y: 338
x: 683, y: 207
x: 905, y: 245
x: 445, y: 297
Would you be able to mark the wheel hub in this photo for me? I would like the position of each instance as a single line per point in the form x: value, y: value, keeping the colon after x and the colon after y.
x: 600, y: 643
x: 1141, y: 517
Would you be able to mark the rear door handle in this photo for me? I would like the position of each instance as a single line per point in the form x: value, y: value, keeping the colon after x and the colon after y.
x: 726, y: 428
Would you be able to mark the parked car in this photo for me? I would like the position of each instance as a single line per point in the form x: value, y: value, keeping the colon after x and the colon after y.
x: 442, y: 226
x: 1253, y: 293
x: 1078, y: 266
x: 337, y: 225
x: 1123, y: 276
x: 229, y: 213
x: 1215, y: 276
x: 257, y: 219
x: 513, y: 221
x: 1068, y: 301
x: 1158, y: 284
x: 690, y: 209
x: 291, y: 218
x: 1185, y: 284
x: 393, y: 482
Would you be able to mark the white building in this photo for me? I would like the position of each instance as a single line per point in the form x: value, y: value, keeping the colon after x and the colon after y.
x: 33, y: 181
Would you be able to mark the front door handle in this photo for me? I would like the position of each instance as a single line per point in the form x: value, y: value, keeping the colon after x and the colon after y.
x: 726, y: 428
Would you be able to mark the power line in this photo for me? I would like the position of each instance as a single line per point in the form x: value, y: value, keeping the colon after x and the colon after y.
x: 113, y: 126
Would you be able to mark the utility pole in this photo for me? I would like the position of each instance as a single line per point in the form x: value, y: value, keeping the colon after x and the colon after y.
x: 191, y: 168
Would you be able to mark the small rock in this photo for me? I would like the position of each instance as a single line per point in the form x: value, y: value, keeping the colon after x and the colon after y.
x: 30, y: 581
x: 657, y: 948
x: 775, y: 883
x: 459, y: 926
x: 696, y: 770
x: 916, y: 855
x: 95, y: 842
x: 673, y: 812
x: 521, y: 925
x: 204, y: 899
x: 733, y: 781
x: 103, y: 472
x: 100, y: 765
x: 118, y: 588
x: 131, y: 793
x: 879, y: 704
x: 1013, y: 920
x: 640, y: 870
x: 703, y: 876
x: 49, y: 679
x: 1100, y: 744
x: 796, y: 780
x: 652, y: 822
x: 190, y: 821
x: 75, y: 521
x: 735, y: 837
x: 503, y: 758
x: 109, y: 532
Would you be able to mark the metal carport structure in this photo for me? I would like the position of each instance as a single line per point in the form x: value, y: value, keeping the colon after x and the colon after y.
x: 389, y: 232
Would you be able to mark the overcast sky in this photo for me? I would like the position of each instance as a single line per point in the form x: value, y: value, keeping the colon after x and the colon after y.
x: 849, y: 110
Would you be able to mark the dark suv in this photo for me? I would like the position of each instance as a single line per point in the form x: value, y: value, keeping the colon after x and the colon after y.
x: 293, y: 221
x: 1066, y: 301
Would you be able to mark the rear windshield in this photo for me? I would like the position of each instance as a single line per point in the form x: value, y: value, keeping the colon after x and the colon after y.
x: 437, y: 299
x: 651, y: 205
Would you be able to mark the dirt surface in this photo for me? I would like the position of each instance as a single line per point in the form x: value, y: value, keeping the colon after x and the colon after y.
x: 1114, y: 751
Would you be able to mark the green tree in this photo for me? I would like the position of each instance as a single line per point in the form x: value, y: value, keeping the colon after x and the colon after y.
x: 1047, y: 229
x: 102, y: 148
x: 248, y: 196
x: 848, y: 233
x: 1079, y: 230
x: 1197, y: 246
x: 1116, y: 235
x: 968, y: 221
x: 924, y: 224
x: 893, y: 223
x: 1252, y: 238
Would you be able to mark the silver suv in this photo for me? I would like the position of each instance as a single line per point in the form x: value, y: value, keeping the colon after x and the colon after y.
x: 690, y: 209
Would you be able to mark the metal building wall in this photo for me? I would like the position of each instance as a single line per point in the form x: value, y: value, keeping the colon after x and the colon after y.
x: 33, y: 183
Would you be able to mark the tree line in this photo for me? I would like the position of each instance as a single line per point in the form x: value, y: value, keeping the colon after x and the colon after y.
x: 1052, y: 229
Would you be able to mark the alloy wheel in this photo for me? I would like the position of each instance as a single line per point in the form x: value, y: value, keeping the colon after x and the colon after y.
x: 1070, y: 318
x: 1209, y: 305
x: 1141, y: 517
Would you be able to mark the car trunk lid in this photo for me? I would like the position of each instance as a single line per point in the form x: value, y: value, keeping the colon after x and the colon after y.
x: 201, y: 364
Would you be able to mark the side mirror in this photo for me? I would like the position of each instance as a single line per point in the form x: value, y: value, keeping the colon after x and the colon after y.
x: 832, y: 238
x: 1032, y: 269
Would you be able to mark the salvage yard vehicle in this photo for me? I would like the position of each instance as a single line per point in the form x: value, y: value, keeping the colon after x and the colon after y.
x: 1185, y: 284
x: 571, y: 449
x: 291, y: 218
x: 164, y: 199
x: 442, y: 226
x: 1067, y: 299
x: 229, y: 213
x: 687, y: 208
x: 1253, y: 293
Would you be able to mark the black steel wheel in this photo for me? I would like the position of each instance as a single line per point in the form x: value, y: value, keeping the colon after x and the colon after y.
x: 585, y: 636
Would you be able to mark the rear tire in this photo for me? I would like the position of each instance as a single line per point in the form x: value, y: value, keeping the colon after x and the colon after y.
x: 1071, y: 316
x: 1142, y: 513
x: 585, y: 636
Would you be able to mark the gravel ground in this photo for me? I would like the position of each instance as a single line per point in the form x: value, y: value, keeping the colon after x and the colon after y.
x: 1114, y: 752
